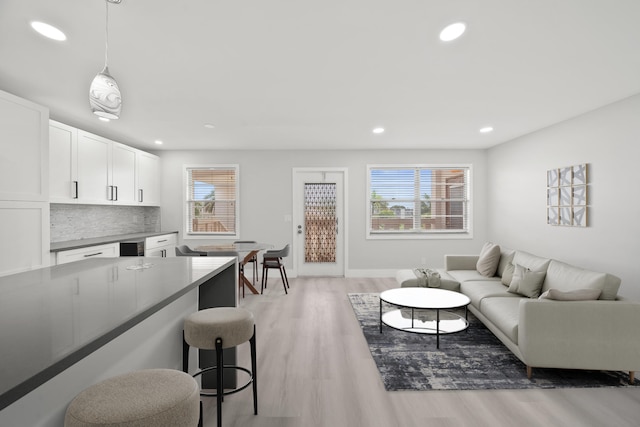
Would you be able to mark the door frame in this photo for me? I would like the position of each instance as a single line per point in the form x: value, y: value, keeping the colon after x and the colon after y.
x: 296, y: 200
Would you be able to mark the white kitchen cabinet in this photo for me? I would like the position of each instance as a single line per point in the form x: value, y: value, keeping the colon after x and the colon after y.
x: 24, y: 227
x: 148, y: 168
x: 109, y: 250
x: 94, y: 169
x: 24, y: 185
x: 123, y: 174
x: 24, y: 151
x: 63, y: 163
x: 161, y: 246
x: 89, y: 169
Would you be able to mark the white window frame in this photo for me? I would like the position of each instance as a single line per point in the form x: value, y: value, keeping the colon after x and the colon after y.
x: 425, y: 234
x: 186, y: 208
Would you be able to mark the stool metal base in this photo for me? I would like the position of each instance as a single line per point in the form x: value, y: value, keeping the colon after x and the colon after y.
x: 220, y: 392
x: 226, y: 392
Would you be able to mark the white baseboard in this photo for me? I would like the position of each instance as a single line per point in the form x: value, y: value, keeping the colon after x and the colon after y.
x: 356, y: 273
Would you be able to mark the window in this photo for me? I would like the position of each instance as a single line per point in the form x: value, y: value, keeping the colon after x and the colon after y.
x: 211, y: 201
x: 413, y: 201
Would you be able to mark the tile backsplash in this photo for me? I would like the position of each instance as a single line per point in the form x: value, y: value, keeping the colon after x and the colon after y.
x: 73, y: 222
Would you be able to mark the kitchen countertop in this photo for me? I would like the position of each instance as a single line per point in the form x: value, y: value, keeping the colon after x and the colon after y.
x: 83, y: 243
x: 53, y: 317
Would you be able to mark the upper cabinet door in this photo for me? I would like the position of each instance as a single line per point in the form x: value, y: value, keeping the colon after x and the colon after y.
x: 63, y: 163
x: 94, y: 172
x: 148, y: 179
x: 24, y: 150
x: 123, y: 174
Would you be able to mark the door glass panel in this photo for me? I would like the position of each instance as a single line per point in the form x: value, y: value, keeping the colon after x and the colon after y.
x: 320, y: 222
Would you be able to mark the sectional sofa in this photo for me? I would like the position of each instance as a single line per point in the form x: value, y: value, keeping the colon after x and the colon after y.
x: 548, y: 313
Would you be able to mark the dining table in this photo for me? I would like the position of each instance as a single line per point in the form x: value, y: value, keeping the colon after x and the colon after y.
x: 247, y: 251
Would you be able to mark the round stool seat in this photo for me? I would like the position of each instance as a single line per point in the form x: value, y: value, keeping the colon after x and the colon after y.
x: 152, y: 397
x: 233, y: 325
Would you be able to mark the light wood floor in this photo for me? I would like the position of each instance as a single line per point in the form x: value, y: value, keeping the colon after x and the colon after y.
x: 315, y: 369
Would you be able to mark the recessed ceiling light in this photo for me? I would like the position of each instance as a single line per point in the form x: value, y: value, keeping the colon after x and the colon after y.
x: 378, y: 130
x: 453, y: 31
x: 486, y: 129
x: 158, y: 142
x: 209, y: 126
x: 48, y: 31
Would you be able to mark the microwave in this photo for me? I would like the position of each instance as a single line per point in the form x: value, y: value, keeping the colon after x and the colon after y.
x: 132, y: 248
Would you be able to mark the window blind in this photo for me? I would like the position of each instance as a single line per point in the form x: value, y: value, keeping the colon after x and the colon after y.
x: 212, y: 193
x: 418, y: 199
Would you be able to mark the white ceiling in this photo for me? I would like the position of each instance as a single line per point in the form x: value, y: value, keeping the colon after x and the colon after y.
x: 302, y: 74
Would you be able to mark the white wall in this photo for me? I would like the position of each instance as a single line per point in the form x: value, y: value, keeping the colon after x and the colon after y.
x: 608, y: 139
x: 266, y: 197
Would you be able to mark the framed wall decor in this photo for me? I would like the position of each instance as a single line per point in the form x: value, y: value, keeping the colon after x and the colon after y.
x: 567, y: 191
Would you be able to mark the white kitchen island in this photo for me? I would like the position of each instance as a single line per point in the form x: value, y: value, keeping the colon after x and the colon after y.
x: 66, y: 327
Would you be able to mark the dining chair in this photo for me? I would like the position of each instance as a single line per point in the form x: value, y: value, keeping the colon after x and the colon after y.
x: 273, y: 259
x: 184, y: 250
x: 253, y: 260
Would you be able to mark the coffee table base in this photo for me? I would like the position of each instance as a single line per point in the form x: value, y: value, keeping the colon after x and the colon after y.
x: 445, y: 322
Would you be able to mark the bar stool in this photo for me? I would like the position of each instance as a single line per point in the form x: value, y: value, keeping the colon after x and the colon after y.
x: 216, y: 329
x: 151, y: 397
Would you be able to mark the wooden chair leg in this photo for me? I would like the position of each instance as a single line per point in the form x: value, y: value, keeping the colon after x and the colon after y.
x: 264, y: 278
x: 284, y: 282
x: 632, y: 377
x: 285, y: 275
x: 529, y: 372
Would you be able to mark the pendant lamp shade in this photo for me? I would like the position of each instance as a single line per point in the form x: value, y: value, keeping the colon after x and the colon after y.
x: 104, y: 94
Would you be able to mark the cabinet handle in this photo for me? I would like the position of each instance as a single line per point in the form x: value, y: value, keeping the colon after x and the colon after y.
x: 164, y: 240
x: 116, y: 187
x: 141, y: 196
x: 90, y: 255
x: 164, y: 253
x: 75, y: 187
x: 109, y: 192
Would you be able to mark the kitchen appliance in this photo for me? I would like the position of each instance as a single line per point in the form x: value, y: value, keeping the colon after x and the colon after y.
x: 132, y: 248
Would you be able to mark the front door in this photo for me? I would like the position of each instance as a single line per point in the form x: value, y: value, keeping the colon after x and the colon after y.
x: 318, y: 221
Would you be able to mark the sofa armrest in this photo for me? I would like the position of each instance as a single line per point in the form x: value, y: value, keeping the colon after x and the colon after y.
x: 580, y: 334
x: 460, y: 262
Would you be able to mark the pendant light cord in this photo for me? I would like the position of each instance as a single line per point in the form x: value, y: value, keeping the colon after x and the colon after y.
x: 106, y: 47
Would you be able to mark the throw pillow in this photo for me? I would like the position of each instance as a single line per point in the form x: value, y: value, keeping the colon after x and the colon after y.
x: 526, y: 282
x: 507, y: 274
x: 489, y: 258
x: 576, y: 295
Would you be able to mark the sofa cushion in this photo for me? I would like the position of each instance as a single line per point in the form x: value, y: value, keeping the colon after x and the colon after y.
x: 467, y: 275
x: 577, y: 295
x: 504, y: 313
x: 507, y: 274
x: 565, y: 277
x: 526, y: 282
x: 477, y: 291
x: 532, y: 262
x: 506, y: 258
x: 489, y: 258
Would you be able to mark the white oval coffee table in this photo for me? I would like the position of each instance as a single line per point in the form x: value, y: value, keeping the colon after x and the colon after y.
x: 421, y: 322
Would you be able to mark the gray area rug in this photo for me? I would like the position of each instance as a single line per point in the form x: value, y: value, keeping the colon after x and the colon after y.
x: 470, y: 360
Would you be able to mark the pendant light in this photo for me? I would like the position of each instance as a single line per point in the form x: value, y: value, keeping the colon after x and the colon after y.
x: 104, y: 94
